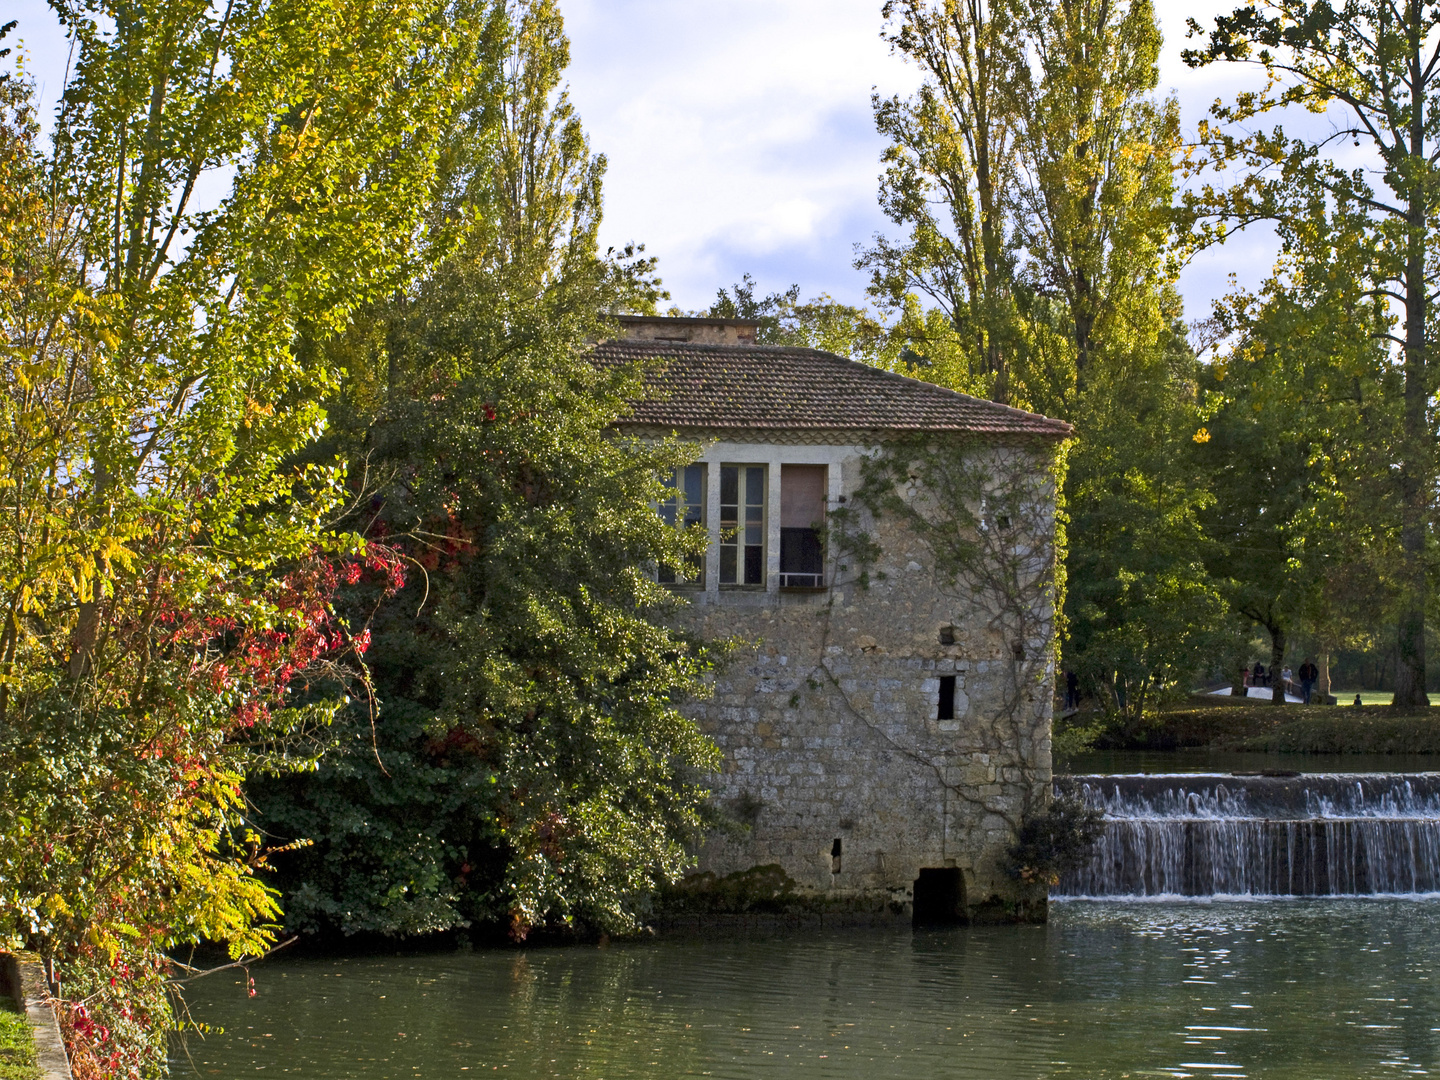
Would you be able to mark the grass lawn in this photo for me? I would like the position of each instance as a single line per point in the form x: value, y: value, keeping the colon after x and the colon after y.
x: 17, y: 1046
x: 1260, y: 725
x: 1372, y: 697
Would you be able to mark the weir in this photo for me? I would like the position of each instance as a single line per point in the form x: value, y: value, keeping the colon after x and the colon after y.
x: 1335, y: 834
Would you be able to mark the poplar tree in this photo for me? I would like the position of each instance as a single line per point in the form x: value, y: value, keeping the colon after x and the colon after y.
x: 1099, y: 153
x: 524, y: 761
x: 1374, y: 69
x: 1057, y: 102
x: 951, y: 172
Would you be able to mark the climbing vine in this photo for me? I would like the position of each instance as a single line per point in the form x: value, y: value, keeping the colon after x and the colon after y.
x: 988, y: 513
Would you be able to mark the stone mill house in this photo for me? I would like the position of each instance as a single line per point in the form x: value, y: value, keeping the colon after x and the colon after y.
x: 880, y: 744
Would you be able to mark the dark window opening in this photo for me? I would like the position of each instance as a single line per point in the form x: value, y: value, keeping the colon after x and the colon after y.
x: 946, y: 710
x: 1018, y: 652
x: 835, y: 856
x: 947, y: 635
x: 802, y: 515
x: 742, y: 525
x: 939, y: 897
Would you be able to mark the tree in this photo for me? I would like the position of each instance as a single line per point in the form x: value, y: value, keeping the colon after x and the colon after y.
x: 528, y: 763
x: 1068, y: 223
x: 1098, y: 153
x: 168, y: 573
x: 951, y: 172
x: 1296, y: 409
x: 1143, y: 612
x: 1375, y: 67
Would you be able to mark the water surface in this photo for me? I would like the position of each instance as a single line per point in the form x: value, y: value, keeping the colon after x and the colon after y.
x: 1280, y: 989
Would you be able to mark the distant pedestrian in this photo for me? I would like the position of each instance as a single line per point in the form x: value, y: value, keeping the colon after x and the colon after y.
x: 1072, y: 691
x: 1257, y: 674
x: 1309, y: 674
x: 1358, y: 701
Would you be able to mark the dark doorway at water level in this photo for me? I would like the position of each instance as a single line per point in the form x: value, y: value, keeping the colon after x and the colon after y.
x: 939, y: 897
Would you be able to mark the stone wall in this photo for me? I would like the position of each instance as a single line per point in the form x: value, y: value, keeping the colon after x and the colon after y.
x: 827, y: 715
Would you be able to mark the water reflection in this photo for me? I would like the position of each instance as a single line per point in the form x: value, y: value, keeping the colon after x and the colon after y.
x: 1295, y: 989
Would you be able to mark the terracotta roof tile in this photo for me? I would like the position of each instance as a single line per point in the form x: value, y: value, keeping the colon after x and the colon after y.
x: 782, y: 388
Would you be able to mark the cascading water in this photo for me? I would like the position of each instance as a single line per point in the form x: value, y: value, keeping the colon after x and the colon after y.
x: 1319, y: 835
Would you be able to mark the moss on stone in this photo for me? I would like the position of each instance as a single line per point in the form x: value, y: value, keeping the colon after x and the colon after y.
x: 761, y: 890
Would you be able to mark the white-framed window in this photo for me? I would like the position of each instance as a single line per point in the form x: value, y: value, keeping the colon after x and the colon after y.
x: 684, y: 508
x: 742, y: 524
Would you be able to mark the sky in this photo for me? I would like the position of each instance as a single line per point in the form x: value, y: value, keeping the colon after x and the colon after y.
x: 739, y: 134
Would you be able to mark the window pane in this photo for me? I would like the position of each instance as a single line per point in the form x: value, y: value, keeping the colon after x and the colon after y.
x: 729, y: 484
x: 695, y: 485
x: 684, y: 507
x: 742, y: 524
x: 754, y: 485
x: 754, y: 565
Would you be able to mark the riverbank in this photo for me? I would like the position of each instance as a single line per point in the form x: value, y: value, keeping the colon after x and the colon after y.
x: 1263, y: 727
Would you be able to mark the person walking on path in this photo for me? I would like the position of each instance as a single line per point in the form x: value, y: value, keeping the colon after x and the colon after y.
x: 1309, y: 675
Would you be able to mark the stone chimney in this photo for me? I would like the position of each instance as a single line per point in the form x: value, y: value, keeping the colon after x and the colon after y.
x: 696, y: 331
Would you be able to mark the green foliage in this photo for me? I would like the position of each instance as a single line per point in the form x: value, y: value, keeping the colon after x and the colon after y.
x: 1143, y: 613
x: 1372, y: 63
x: 166, y: 570
x: 820, y: 323
x: 1299, y: 531
x: 1051, y: 844
x: 526, y: 763
x: 952, y: 171
x: 1034, y: 170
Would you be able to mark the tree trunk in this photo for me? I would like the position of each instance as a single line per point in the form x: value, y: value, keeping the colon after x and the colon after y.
x: 1415, y: 458
x: 1277, y: 664
x: 1322, y: 684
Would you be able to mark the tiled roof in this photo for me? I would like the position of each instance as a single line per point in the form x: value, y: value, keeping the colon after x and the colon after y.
x: 772, y: 387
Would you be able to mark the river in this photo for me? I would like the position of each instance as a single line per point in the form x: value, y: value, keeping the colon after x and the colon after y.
x: 1312, y: 988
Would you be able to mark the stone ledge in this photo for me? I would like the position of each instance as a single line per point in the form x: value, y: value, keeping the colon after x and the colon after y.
x: 727, y: 925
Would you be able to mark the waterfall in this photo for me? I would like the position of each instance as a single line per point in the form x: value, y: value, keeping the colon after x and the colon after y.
x: 1333, y: 834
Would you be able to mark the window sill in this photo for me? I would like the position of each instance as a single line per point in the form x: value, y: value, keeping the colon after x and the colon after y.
x: 804, y: 588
